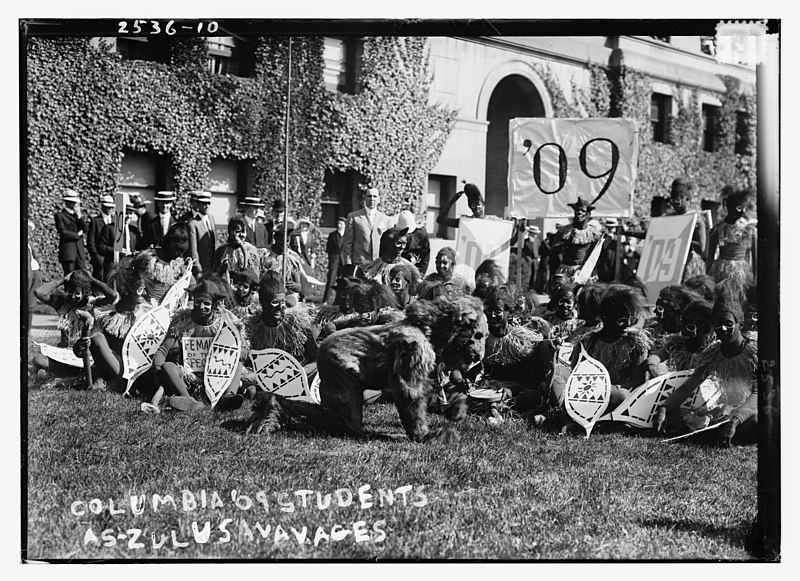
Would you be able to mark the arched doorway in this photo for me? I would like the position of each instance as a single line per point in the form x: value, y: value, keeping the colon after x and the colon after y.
x: 514, y: 96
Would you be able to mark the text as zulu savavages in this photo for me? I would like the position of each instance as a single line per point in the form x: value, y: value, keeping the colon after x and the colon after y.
x: 263, y: 509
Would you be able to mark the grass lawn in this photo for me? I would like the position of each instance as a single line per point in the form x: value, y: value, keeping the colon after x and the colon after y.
x: 508, y: 492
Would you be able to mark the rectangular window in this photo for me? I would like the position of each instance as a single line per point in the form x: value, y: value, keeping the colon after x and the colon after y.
x: 342, y: 57
x: 710, y: 128
x: 228, y: 56
x: 660, y: 111
x: 140, y: 48
x: 742, y: 133
x: 144, y: 174
x: 229, y: 180
x: 340, y: 196
x: 441, y: 189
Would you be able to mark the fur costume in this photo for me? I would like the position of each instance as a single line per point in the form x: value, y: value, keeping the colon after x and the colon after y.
x: 518, y: 344
x: 329, y: 314
x: 678, y: 357
x: 161, y: 275
x: 399, y: 357
x: 617, y: 357
x: 290, y: 334
x: 69, y: 324
x: 379, y: 269
x: 734, y: 242
x: 115, y: 325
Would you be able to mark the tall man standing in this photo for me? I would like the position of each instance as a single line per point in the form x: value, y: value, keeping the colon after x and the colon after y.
x: 70, y: 227
x: 256, y: 232
x: 154, y: 233
x: 105, y: 217
x: 143, y: 218
x: 362, y: 234
x: 202, y: 239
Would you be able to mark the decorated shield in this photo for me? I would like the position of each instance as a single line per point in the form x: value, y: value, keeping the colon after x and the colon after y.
x: 486, y: 394
x: 279, y: 373
x: 61, y: 354
x: 176, y: 298
x: 588, y: 391
x: 561, y: 371
x: 222, y: 361
x: 314, y: 390
x: 639, y: 408
x: 142, y: 342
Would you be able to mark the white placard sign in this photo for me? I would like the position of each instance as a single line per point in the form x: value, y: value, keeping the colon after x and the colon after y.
x: 481, y: 239
x: 553, y: 161
x: 666, y: 248
x: 195, y: 352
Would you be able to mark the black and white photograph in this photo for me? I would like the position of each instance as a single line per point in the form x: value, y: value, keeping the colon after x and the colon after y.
x: 394, y: 290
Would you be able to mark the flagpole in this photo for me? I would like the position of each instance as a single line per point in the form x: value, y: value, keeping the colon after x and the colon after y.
x: 286, y: 164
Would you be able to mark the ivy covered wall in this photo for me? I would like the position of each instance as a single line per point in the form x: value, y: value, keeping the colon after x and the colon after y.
x: 625, y: 92
x: 86, y: 105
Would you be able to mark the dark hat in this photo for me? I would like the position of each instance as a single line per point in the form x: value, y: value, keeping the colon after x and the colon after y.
x: 473, y: 194
x: 138, y: 201
x: 165, y: 196
x: 270, y: 286
x: 581, y: 203
x: 252, y: 201
x: 278, y: 205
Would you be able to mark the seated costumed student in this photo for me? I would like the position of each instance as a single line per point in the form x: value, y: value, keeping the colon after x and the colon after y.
x: 342, y: 307
x: 681, y: 351
x: 703, y: 285
x: 487, y: 275
x: 561, y: 315
x: 588, y: 298
x: 445, y: 263
x: 167, y: 262
x: 273, y: 326
x: 618, y: 345
x: 513, y: 361
x: 393, y: 243
x: 237, y: 253
x: 112, y: 323
x: 374, y: 303
x: 202, y: 319
x: 671, y: 302
x: 272, y: 259
x: 735, y: 237
x: 245, y: 298
x: 76, y: 296
x: 731, y: 363
x: 403, y: 281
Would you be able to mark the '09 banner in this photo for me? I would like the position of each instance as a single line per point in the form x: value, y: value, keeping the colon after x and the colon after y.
x: 553, y: 161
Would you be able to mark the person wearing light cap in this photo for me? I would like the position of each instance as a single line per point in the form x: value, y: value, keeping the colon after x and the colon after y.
x: 153, y: 234
x: 105, y: 241
x: 256, y: 232
x: 70, y: 227
x: 361, y: 241
x: 202, y: 238
x: 418, y: 249
x: 106, y: 216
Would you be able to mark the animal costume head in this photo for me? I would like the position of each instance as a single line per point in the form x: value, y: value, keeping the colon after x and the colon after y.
x: 403, y: 281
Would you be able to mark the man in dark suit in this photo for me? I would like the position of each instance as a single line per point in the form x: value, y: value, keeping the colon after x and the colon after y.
x: 256, y: 232
x: 106, y: 216
x: 105, y: 241
x: 188, y: 214
x: 333, y: 249
x: 278, y: 208
x: 143, y: 217
x: 202, y: 239
x: 302, y: 241
x: 153, y: 235
x: 361, y: 240
x: 70, y: 227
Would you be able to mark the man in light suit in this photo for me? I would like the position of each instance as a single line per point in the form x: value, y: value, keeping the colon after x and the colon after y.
x: 256, y: 233
x: 361, y: 240
x: 202, y: 239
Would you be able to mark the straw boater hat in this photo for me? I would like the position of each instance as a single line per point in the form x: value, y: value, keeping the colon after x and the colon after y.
x: 165, y: 196
x: 202, y: 197
x: 304, y: 221
x: 252, y: 201
x: 71, y: 196
x: 407, y: 220
x: 108, y: 202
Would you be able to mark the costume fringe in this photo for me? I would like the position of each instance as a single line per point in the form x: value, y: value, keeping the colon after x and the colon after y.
x: 739, y: 270
x: 379, y: 269
x: 588, y: 235
x: 618, y: 356
x: 117, y: 324
x: 329, y: 313
x: 737, y: 375
x: 165, y: 272
x: 289, y: 335
x: 740, y: 232
x: 680, y: 358
x: 516, y: 345
x: 182, y: 325
x: 69, y: 322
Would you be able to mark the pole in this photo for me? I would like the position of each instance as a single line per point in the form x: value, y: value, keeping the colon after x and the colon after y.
x: 618, y: 254
x: 520, y: 242
x: 286, y: 160
x: 766, y: 539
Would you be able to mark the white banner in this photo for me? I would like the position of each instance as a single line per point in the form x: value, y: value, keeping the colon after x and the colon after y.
x: 479, y: 240
x: 553, y: 161
x: 195, y: 352
x: 666, y: 248
x: 121, y: 239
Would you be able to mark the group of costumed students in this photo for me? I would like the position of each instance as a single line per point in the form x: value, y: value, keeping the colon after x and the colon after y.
x: 706, y: 324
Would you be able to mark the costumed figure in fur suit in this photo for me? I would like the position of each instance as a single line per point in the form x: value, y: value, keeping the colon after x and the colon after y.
x: 671, y: 302
x: 167, y: 262
x: 735, y: 237
x: 681, y: 351
x: 561, y: 314
x: 732, y: 364
x: 342, y: 307
x: 374, y: 304
x: 203, y: 319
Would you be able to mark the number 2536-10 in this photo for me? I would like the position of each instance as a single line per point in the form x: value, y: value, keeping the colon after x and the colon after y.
x: 563, y: 165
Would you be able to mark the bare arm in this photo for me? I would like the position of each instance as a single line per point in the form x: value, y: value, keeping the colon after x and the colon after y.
x: 45, y: 292
x: 109, y: 295
x: 443, y: 219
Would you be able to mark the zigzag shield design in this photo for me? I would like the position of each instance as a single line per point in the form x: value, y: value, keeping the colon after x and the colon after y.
x: 142, y: 342
x: 640, y: 406
x: 223, y: 359
x: 176, y: 298
x: 279, y: 373
x: 587, y: 392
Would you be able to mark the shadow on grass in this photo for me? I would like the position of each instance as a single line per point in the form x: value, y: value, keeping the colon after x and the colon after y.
x: 735, y: 535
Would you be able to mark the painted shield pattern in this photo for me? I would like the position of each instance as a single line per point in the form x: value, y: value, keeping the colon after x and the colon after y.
x: 142, y: 342
x: 222, y: 362
x: 279, y: 373
x: 588, y: 391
